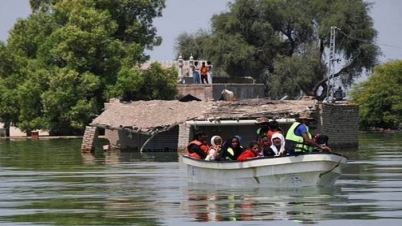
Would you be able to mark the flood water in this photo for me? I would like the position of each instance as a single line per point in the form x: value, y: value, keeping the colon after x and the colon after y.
x: 49, y: 182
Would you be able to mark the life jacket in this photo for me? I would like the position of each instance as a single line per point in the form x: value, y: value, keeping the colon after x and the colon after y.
x: 204, y: 70
x: 194, y: 155
x: 295, y: 142
x: 230, y: 151
x: 259, y: 131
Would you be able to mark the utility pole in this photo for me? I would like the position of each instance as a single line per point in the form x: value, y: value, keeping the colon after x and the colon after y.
x: 331, y: 69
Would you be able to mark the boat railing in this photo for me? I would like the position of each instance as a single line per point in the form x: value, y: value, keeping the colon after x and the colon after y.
x: 270, y: 157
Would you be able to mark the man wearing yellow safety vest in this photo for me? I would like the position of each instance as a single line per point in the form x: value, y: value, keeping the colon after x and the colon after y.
x: 298, y: 137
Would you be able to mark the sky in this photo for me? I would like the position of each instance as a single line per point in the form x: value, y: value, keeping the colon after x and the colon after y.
x: 190, y: 15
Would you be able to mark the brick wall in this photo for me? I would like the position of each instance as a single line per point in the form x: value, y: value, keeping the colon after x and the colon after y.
x: 202, y: 92
x: 89, y: 140
x: 185, y: 136
x: 341, y: 123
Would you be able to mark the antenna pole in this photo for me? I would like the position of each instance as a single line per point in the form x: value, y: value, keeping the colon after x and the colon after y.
x: 331, y: 68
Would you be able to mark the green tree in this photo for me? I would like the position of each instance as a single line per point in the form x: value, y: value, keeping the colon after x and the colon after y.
x: 294, y: 74
x: 155, y: 83
x: 191, y: 45
x: 260, y: 38
x: 380, y: 97
x: 58, y: 64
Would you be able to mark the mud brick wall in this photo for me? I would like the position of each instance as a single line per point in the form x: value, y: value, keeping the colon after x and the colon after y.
x: 185, y: 135
x: 341, y: 123
x: 90, y: 139
x: 202, y: 92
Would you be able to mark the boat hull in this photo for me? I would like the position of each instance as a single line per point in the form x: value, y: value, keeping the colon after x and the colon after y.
x: 291, y: 171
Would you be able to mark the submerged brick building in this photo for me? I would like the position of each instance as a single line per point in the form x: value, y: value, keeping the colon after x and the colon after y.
x: 168, y: 125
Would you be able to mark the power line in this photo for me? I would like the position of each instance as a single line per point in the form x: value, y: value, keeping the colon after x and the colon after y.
x: 363, y: 40
x: 397, y: 47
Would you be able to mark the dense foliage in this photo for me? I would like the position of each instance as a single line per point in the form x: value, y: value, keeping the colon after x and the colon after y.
x: 380, y: 97
x: 284, y: 43
x: 61, y: 64
x: 191, y: 44
x: 155, y: 83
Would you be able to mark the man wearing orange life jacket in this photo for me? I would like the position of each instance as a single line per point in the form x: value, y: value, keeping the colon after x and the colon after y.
x: 198, y: 148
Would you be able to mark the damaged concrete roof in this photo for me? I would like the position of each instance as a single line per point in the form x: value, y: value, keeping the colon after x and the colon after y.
x: 150, y: 117
x: 254, y: 108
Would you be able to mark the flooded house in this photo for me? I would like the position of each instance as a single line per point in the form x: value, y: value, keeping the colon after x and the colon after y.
x: 161, y: 126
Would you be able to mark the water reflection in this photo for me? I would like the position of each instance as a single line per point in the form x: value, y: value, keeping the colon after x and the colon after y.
x: 115, y: 158
x: 303, y: 205
x: 88, y: 158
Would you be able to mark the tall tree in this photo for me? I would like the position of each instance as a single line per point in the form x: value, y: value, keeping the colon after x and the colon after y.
x: 191, y: 45
x: 59, y: 64
x: 380, y: 97
x: 154, y: 83
x: 261, y: 38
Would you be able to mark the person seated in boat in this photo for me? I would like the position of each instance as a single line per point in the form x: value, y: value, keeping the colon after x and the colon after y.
x: 216, y: 143
x: 198, y: 148
x: 264, y: 147
x: 321, y: 139
x: 231, y: 150
x: 252, y: 152
x: 277, y: 146
x: 264, y: 127
x: 299, y: 138
x: 273, y: 128
x: 240, y: 140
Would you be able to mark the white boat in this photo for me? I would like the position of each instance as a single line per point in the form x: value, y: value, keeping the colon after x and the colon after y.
x: 317, y: 169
